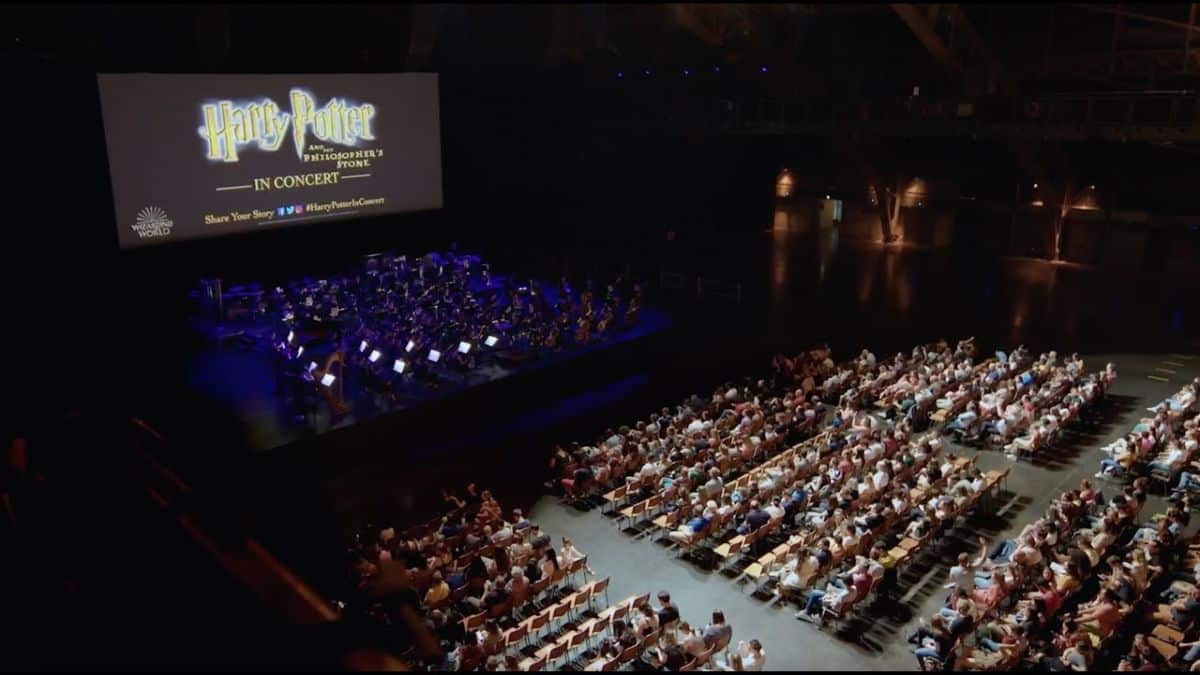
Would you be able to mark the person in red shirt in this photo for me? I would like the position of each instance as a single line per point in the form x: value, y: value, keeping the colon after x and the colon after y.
x: 1102, y: 617
x: 1050, y: 596
x: 862, y: 580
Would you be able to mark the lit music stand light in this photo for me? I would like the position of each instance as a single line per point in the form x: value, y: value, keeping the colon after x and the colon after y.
x: 328, y: 379
x: 409, y: 347
x: 435, y: 355
x: 362, y: 346
x: 399, y: 366
x: 491, y: 341
x: 300, y: 351
x: 312, y: 366
x: 375, y: 354
x: 464, y: 347
x: 291, y: 334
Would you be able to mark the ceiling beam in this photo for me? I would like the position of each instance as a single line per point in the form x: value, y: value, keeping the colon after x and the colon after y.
x: 685, y: 15
x: 966, y: 59
x: 1105, y: 9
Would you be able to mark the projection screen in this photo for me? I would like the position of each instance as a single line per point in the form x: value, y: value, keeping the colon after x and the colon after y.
x: 205, y: 155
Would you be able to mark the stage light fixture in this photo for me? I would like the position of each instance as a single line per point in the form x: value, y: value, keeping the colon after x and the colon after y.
x: 435, y: 355
x: 362, y: 346
x: 686, y: 72
x: 464, y: 347
x: 398, y: 365
x: 646, y: 72
x: 491, y: 340
x: 762, y: 69
x: 375, y: 354
x: 1035, y: 186
x: 328, y: 379
x: 409, y: 347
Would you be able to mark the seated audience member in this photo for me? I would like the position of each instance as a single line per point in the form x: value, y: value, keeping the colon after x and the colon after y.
x: 668, y: 612
x: 568, y: 555
x: 718, y: 633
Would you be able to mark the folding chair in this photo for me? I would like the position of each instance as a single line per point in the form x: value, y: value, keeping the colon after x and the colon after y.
x: 558, y: 611
x: 577, y: 566
x: 474, y: 622
x: 599, y: 627
x: 632, y: 513
x: 554, y: 653
x: 536, y: 624
x: 759, y: 569
x: 579, y: 637
x: 620, y: 612
x: 519, y: 633
x: 580, y: 599
x: 600, y: 586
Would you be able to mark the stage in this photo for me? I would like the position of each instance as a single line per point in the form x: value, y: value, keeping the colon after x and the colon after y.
x: 237, y: 370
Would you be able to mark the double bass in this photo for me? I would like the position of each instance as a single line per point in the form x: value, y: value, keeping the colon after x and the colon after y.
x: 583, y: 329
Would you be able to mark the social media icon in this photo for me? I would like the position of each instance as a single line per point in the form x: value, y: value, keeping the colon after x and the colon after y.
x: 281, y: 211
x: 299, y: 208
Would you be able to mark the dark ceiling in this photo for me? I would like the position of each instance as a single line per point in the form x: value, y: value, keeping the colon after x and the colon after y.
x: 849, y: 47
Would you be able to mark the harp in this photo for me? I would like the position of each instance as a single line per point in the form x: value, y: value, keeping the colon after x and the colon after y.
x: 335, y: 394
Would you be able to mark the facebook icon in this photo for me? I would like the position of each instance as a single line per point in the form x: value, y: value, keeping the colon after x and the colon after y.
x: 281, y: 211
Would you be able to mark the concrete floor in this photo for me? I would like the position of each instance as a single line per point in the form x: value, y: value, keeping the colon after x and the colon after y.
x: 875, y: 641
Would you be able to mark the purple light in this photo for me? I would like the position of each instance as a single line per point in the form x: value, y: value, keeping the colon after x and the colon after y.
x: 716, y: 69
x: 620, y: 74
x: 646, y: 71
x: 763, y: 69
x: 686, y: 71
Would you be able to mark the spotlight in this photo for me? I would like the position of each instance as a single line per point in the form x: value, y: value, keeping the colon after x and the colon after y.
x: 686, y: 72
x: 362, y: 346
x: 375, y: 354
x: 1091, y: 187
x: 328, y: 379
x: 409, y: 347
x: 1035, y: 186
x: 762, y: 69
x: 491, y: 340
x: 464, y: 347
x: 646, y: 72
x: 398, y: 366
x: 435, y: 355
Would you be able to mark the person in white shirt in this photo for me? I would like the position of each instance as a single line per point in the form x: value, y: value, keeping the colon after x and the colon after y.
x: 962, y: 574
x: 1168, y: 462
x: 881, y: 476
x: 775, y: 510
x: 568, y: 554
x: 751, y: 655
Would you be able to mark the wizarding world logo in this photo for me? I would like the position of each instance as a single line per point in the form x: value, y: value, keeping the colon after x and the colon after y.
x: 152, y: 222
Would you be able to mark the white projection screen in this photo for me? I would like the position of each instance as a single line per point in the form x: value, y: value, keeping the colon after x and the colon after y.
x: 195, y: 156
